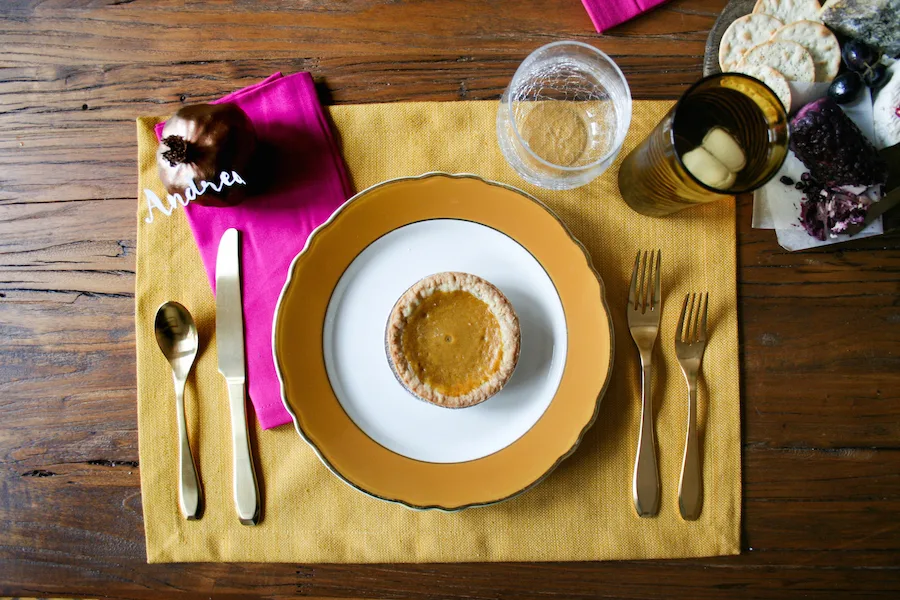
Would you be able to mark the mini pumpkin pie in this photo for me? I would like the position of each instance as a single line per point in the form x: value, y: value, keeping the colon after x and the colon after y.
x: 453, y: 340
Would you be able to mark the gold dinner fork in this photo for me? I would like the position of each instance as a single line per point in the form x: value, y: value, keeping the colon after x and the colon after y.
x: 690, y: 342
x: 643, y: 321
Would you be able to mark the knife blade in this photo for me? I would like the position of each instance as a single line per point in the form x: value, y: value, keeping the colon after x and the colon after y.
x: 230, y: 348
x: 887, y: 202
x: 891, y: 156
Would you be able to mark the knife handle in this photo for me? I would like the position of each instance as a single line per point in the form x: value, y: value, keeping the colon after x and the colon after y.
x: 246, y: 493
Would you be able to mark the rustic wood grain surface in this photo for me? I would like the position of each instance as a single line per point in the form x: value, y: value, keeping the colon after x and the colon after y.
x: 820, y: 330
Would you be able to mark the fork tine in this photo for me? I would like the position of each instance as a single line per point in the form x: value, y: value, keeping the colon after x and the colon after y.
x: 656, y: 298
x: 691, y: 322
x: 695, y: 324
x: 644, y: 277
x: 678, y: 334
x: 702, y: 337
x: 632, y: 291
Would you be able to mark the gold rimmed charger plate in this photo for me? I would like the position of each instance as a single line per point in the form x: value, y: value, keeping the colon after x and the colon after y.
x: 317, y: 413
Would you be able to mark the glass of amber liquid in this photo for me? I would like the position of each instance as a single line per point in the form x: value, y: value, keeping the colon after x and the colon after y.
x: 727, y: 135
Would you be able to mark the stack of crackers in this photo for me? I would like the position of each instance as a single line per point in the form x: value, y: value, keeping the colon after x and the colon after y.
x: 781, y: 41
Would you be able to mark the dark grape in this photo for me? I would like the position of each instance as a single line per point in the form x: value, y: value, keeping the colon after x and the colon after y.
x: 858, y: 55
x: 876, y: 76
x: 845, y: 87
x: 786, y: 180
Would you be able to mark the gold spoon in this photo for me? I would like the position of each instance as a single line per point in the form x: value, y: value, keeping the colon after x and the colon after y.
x: 177, y: 337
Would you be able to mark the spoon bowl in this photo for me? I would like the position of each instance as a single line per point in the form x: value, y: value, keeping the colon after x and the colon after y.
x: 176, y: 334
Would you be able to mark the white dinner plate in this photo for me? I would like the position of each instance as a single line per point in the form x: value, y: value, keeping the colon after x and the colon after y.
x: 358, y: 367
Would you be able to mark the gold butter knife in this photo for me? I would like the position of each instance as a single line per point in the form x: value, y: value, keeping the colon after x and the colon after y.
x: 230, y: 346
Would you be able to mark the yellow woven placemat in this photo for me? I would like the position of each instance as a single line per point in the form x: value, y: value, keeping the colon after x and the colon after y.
x: 583, y: 511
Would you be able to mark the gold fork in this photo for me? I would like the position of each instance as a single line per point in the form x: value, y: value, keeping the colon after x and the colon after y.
x: 643, y: 321
x: 690, y: 342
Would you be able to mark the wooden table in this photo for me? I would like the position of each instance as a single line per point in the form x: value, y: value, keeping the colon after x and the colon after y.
x: 820, y: 331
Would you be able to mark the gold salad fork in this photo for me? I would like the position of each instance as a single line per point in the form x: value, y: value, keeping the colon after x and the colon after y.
x: 643, y: 321
x: 690, y: 342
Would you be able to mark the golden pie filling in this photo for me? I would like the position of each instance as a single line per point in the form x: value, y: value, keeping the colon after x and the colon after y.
x: 453, y: 340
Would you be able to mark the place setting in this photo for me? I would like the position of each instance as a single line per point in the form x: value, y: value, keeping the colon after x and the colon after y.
x: 469, y: 331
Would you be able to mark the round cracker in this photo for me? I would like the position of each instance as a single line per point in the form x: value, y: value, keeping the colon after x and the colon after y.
x: 788, y: 58
x: 789, y: 11
x: 821, y: 44
x: 743, y: 34
x: 774, y: 79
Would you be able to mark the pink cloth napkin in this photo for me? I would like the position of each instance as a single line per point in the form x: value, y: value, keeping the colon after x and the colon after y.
x: 308, y: 181
x: 609, y: 13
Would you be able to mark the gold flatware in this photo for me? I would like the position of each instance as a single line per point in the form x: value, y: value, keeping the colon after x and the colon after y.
x: 690, y: 343
x: 177, y: 337
x: 230, y: 347
x: 644, y: 308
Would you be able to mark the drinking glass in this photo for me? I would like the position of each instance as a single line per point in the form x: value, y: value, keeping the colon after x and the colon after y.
x: 653, y: 178
x: 564, y: 115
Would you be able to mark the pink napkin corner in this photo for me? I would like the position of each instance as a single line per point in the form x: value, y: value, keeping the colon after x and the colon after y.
x: 609, y: 13
x: 309, y: 181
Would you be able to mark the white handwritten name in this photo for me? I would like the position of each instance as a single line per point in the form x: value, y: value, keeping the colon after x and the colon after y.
x: 191, y: 193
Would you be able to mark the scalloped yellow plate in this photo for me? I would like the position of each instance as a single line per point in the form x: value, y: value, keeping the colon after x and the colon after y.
x: 328, y: 342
